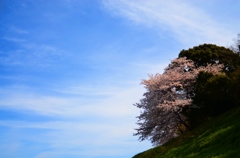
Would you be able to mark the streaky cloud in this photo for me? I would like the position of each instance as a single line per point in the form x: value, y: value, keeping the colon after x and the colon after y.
x: 186, y: 22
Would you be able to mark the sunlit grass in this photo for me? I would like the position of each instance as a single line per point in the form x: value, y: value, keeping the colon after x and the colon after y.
x: 217, y: 138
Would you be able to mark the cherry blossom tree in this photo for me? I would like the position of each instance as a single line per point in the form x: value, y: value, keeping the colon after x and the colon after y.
x: 167, y: 96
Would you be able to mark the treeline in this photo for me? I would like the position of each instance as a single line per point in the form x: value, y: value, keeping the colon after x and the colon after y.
x: 203, y: 82
x: 213, y: 94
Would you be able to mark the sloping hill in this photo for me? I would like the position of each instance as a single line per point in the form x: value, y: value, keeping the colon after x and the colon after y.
x: 217, y: 138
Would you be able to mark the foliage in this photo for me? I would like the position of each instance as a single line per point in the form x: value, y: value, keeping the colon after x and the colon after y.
x: 211, y: 54
x: 236, y: 79
x: 213, y: 94
x: 189, y: 92
x: 168, y: 96
x: 218, y: 138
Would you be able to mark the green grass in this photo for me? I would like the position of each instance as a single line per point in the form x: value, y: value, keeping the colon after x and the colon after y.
x: 217, y: 138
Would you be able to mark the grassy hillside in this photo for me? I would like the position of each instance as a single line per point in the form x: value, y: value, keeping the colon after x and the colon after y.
x: 217, y: 138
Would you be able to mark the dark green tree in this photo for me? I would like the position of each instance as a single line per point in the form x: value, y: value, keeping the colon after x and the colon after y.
x: 210, y: 54
x: 213, y: 94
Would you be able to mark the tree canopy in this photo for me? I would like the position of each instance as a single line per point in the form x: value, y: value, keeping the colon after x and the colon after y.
x: 214, y: 94
x: 210, y: 54
x: 201, y: 83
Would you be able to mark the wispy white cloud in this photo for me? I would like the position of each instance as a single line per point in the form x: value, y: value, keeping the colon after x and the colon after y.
x: 187, y: 23
x: 18, y: 30
x: 39, y: 50
x: 105, y: 102
x: 14, y: 39
x: 104, y: 124
x: 31, y: 54
x: 108, y: 138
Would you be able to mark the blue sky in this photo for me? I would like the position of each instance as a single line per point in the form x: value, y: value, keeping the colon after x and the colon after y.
x: 70, y: 69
